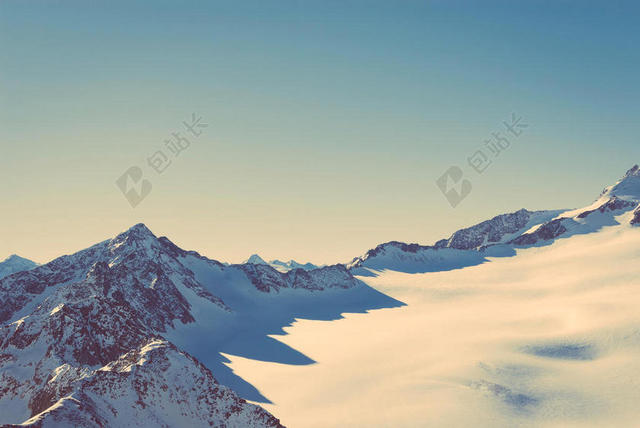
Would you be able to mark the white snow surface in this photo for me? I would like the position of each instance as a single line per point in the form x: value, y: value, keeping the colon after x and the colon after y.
x: 548, y: 338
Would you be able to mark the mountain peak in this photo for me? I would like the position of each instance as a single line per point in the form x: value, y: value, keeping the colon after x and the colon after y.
x: 14, y: 258
x: 628, y: 187
x: 14, y: 263
x: 256, y: 260
x: 136, y: 232
x: 634, y: 171
x: 140, y: 228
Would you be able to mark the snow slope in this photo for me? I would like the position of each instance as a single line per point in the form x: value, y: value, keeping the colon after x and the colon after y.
x: 548, y: 338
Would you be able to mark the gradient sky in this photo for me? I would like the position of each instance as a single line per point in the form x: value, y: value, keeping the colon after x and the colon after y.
x: 329, y: 121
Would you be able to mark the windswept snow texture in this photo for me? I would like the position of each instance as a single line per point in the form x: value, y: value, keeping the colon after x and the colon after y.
x: 548, y: 338
x: 132, y: 331
x: 15, y: 263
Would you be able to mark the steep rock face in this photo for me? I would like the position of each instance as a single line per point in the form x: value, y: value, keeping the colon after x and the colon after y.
x: 153, y: 385
x: 127, y: 295
x: 335, y: 276
x: 265, y: 278
x: 636, y: 216
x: 546, y: 232
x: 19, y: 289
x: 613, y: 204
x: 488, y: 232
x: 133, y: 267
x: 387, y: 249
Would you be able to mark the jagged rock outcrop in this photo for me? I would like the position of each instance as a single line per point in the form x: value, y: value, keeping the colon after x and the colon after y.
x: 154, y: 385
x: 265, y: 278
x: 488, y: 232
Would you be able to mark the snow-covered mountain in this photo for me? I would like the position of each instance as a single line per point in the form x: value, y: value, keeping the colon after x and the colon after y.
x: 614, y: 201
x: 90, y: 339
x: 544, y: 334
x: 280, y: 265
x: 547, y: 338
x: 15, y: 263
x: 134, y: 330
x: 500, y: 235
x: 466, y: 247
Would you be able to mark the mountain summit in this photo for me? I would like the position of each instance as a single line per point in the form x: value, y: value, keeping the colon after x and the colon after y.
x: 255, y: 260
x: 137, y: 316
x: 628, y: 187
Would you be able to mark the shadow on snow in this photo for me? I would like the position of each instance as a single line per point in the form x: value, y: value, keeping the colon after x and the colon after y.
x: 246, y: 331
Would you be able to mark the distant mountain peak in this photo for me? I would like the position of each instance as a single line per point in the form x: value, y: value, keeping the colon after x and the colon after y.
x: 14, y: 258
x: 628, y: 187
x: 14, y: 263
x: 139, y: 230
x: 634, y: 170
x: 292, y: 264
x: 255, y: 260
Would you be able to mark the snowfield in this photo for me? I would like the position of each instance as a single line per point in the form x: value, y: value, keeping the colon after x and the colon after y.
x: 550, y: 337
x: 526, y: 319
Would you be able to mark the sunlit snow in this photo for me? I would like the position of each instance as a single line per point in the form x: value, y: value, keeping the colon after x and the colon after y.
x: 550, y: 337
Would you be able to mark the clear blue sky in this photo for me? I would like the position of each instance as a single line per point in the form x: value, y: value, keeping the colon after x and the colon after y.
x: 329, y: 121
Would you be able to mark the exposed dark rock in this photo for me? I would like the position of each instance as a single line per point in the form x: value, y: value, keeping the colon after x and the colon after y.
x: 546, y: 232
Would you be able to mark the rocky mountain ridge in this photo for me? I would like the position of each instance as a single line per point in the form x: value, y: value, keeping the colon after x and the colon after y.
x: 84, y: 334
x: 502, y: 234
